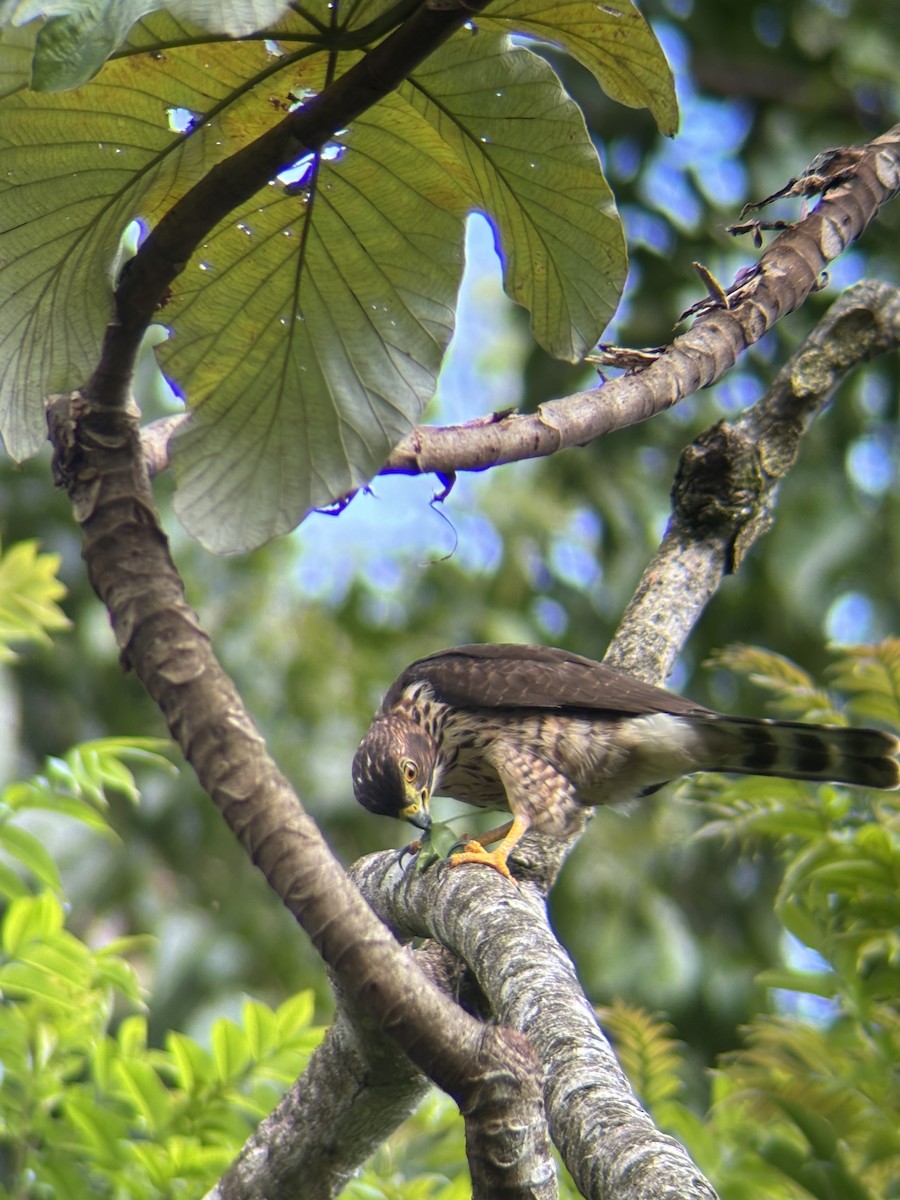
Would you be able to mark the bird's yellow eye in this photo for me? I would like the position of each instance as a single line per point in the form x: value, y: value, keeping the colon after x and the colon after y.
x: 409, y: 769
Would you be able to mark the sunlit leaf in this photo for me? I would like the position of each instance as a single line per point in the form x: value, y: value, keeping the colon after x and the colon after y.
x: 132, y: 1037
x: 12, y: 885
x: 31, y: 794
x: 194, y: 1065
x: 145, y: 1090
x: 21, y: 979
x: 871, y: 676
x: 31, y: 918
x: 100, y: 1129
x: 295, y: 1014
x: 301, y: 389
x: 260, y: 1028
x: 309, y: 370
x: 795, y: 694
x: 32, y: 853
x: 230, y: 1050
x: 16, y: 52
x: 611, y: 39
x: 119, y: 974
x: 76, y: 167
x: 72, y: 39
x: 29, y: 592
x: 237, y: 18
x: 528, y: 162
x: 72, y: 47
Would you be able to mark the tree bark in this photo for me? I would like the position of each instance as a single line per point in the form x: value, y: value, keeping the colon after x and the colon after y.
x: 490, y: 1071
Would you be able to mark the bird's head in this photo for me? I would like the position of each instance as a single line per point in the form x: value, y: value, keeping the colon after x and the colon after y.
x: 393, y: 769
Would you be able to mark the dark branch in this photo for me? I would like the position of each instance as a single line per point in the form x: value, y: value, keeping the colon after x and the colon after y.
x: 490, y: 1071
x: 168, y: 248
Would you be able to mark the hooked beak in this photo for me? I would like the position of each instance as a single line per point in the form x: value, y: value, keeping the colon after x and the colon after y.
x: 417, y: 814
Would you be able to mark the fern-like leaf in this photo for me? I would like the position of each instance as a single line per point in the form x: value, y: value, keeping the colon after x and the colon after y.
x: 794, y: 692
x: 650, y: 1056
x: 29, y: 591
x: 870, y: 675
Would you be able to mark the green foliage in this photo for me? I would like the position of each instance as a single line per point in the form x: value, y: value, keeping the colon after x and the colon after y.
x: 78, y: 36
x: 795, y: 693
x: 647, y: 1051
x: 810, y: 1105
x: 29, y: 591
x: 88, y: 1108
x: 77, y: 786
x: 309, y: 332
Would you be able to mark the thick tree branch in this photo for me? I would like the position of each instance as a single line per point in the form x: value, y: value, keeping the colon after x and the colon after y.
x: 490, y: 1071
x: 727, y: 482
x: 775, y: 286
x: 607, y: 1140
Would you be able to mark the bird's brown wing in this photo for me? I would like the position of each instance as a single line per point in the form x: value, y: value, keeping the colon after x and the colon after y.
x: 499, y: 675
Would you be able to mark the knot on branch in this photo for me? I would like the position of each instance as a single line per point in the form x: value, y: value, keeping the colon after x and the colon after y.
x: 720, y: 488
x: 93, y: 441
x: 63, y: 414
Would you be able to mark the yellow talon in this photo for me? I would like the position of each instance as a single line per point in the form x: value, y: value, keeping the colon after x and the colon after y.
x: 476, y: 853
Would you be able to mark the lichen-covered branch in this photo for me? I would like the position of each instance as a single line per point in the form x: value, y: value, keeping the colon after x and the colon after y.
x: 727, y: 482
x: 607, y: 1140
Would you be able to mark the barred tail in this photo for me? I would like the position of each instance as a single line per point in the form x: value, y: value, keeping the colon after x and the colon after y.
x: 793, y: 750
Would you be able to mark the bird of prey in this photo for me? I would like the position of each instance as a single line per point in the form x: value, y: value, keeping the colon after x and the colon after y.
x: 542, y: 733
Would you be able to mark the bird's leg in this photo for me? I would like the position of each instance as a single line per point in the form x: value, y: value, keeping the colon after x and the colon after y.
x: 476, y: 853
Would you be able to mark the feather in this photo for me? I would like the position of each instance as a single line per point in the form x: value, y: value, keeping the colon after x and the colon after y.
x: 509, y: 675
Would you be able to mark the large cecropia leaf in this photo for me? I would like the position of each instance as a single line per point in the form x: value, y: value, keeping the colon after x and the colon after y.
x: 307, y: 333
x: 68, y: 41
x: 611, y: 39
